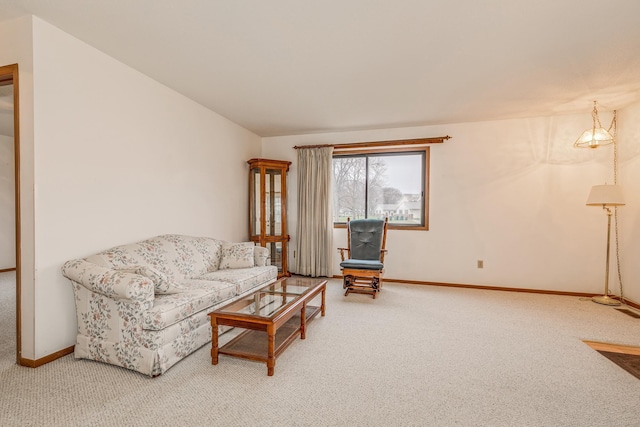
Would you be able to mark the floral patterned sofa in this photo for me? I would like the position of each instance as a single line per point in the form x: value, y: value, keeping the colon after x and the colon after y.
x: 143, y: 306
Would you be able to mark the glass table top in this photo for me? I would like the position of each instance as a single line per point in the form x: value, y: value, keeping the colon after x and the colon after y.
x: 268, y: 300
x: 295, y: 285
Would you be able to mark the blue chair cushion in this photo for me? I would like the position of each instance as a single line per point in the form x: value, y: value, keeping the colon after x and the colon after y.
x: 362, y: 264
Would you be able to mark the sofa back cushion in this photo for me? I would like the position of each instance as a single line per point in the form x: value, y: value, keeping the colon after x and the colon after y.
x: 173, y: 257
x: 193, y: 255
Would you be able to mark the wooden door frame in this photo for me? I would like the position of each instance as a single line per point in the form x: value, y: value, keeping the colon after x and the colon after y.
x: 9, y: 75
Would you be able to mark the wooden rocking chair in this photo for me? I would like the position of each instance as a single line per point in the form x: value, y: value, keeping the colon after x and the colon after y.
x: 362, y: 270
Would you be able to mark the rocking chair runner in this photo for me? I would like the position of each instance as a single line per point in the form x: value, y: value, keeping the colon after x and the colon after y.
x: 362, y: 270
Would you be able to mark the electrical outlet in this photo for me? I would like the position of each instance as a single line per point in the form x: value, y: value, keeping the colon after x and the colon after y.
x: 480, y: 263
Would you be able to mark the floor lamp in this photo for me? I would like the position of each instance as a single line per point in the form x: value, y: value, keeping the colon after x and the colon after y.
x: 606, y: 196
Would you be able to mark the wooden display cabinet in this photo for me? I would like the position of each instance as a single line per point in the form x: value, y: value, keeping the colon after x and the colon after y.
x: 268, y: 209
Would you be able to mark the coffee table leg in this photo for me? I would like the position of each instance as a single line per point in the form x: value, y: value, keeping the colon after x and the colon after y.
x: 303, y: 321
x: 271, y: 360
x: 322, y: 305
x: 214, y: 341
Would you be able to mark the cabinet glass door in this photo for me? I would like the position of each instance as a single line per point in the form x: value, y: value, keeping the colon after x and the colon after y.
x: 273, y: 200
x: 268, y: 209
x: 255, y: 202
x: 275, y: 252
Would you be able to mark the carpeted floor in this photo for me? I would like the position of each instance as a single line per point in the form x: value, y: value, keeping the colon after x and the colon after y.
x: 7, y: 317
x: 415, y: 356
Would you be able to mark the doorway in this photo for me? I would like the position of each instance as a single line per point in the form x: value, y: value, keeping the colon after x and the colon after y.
x: 10, y: 105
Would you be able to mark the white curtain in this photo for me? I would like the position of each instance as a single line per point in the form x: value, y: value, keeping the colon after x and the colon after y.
x: 314, y: 246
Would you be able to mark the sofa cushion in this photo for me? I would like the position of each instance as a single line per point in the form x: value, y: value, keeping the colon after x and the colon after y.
x: 176, y: 257
x: 237, y: 255
x: 245, y: 278
x: 197, y: 295
x: 194, y: 255
x: 156, y: 253
x: 161, y: 283
x: 261, y: 256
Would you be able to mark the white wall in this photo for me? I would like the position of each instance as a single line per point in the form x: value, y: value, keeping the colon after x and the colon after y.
x: 17, y: 48
x: 629, y: 215
x: 7, y: 181
x: 511, y: 193
x: 7, y: 204
x: 117, y: 157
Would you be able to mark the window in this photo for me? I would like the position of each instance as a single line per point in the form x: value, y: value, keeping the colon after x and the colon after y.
x: 390, y: 183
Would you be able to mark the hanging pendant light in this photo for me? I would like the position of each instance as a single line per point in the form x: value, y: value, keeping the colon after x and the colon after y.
x: 597, y: 135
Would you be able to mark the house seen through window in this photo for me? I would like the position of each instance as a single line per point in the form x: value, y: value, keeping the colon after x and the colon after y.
x: 383, y: 183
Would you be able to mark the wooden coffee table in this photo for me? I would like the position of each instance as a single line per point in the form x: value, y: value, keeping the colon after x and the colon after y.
x: 280, y: 307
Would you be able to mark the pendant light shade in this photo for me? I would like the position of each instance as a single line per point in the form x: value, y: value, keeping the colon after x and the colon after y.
x: 596, y: 135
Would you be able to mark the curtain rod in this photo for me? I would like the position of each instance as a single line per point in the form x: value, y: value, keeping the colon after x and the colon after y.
x: 435, y: 140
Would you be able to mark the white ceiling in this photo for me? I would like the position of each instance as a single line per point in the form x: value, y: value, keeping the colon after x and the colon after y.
x: 281, y: 67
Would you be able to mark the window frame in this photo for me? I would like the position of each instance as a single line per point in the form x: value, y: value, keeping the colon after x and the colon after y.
x: 425, y: 171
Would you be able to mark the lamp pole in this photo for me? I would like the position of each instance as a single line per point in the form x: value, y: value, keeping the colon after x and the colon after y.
x: 606, y: 299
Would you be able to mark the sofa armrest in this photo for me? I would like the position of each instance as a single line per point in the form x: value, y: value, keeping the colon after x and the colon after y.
x: 261, y: 256
x: 108, y: 282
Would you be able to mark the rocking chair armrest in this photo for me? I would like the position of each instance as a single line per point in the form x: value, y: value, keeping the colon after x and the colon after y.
x: 342, y: 252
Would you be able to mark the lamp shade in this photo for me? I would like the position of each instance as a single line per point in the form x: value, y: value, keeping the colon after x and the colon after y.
x: 605, y: 195
x: 593, y: 138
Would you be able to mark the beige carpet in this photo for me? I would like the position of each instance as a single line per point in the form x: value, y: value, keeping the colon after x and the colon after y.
x: 7, y: 319
x: 416, y: 356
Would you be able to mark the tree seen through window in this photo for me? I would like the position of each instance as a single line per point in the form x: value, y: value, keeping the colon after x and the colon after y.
x: 379, y: 185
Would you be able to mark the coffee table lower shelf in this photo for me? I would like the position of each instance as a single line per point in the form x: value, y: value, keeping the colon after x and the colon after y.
x: 253, y: 344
